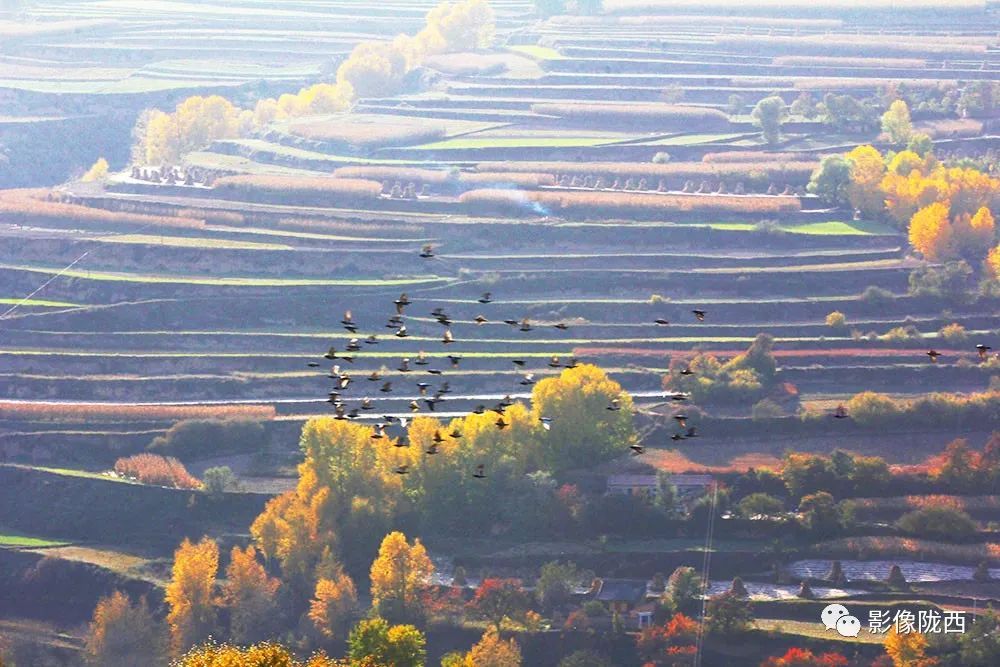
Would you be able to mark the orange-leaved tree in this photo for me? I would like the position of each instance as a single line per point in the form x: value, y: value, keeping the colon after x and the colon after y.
x: 249, y: 593
x: 190, y: 593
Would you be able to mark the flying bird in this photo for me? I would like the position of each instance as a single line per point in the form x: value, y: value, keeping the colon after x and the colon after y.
x: 699, y: 315
x: 528, y: 380
x: 348, y: 322
x: 454, y: 359
x: 404, y: 366
x: 375, y: 376
x: 431, y: 450
x: 517, y: 362
x: 480, y: 409
x: 677, y: 436
x: 480, y: 320
x: 378, y: 433
x: 427, y: 251
x: 637, y: 449
x: 525, y: 325
x: 437, y: 437
x: 615, y: 405
x: 562, y: 326
x: 353, y: 345
x: 434, y: 371
x: 422, y: 386
x: 554, y: 362
x: 366, y: 403
x: 661, y: 321
x: 687, y: 371
x: 983, y: 351
x: 692, y: 432
x: 386, y: 387
x: 371, y: 340
x: 455, y: 433
x: 681, y: 420
x: 512, y: 323
x: 501, y: 424
x: 840, y: 412
x: 933, y: 355
x: 447, y: 338
x: 480, y: 472
x: 421, y: 359
x: 546, y: 422
x: 414, y: 406
x: 402, y: 469
x: 401, y: 332
x: 487, y: 297
x: 313, y: 364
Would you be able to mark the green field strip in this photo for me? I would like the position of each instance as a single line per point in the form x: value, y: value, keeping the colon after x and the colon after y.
x: 15, y: 540
x: 190, y: 242
x: 814, y: 630
x: 725, y: 270
x: 224, y: 282
x: 828, y: 228
x: 143, y: 354
x: 474, y: 142
x: 39, y: 303
x: 538, y: 52
x: 312, y: 236
x: 692, y: 139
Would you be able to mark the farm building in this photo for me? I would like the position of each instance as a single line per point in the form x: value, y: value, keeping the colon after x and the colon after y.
x: 647, y: 485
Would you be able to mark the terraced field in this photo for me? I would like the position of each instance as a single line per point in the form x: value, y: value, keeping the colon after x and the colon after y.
x: 594, y: 175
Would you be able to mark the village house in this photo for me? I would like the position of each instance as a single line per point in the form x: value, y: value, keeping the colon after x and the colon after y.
x: 647, y: 486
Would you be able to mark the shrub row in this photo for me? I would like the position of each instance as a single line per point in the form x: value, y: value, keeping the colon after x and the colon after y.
x: 125, y: 412
x: 32, y: 206
x: 650, y: 112
x: 759, y: 173
x: 156, y: 470
x: 303, y: 189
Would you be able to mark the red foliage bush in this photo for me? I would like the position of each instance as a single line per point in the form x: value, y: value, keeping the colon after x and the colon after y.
x: 156, y: 469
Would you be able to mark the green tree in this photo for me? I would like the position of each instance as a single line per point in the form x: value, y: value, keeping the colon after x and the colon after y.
x: 397, y: 645
x: 218, y: 480
x: 820, y: 514
x: 556, y: 582
x: 585, y: 659
x: 760, y: 504
x: 896, y: 124
x: 683, y: 588
x: 831, y: 179
x: 768, y: 115
x: 941, y: 523
x: 980, y: 646
x: 727, y: 614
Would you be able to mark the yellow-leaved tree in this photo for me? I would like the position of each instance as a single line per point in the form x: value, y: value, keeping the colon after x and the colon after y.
x: 908, y: 649
x: 249, y: 593
x: 333, y: 603
x: 583, y: 430
x: 492, y: 651
x: 867, y: 170
x: 932, y: 234
x: 124, y: 634
x: 399, y: 575
x: 190, y: 593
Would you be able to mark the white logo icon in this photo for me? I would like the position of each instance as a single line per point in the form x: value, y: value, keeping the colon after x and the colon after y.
x: 848, y: 626
x: 831, y: 614
x: 836, y: 617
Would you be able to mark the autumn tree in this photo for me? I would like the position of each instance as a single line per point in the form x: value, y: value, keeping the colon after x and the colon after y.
x: 123, y: 634
x: 398, y: 576
x: 396, y: 645
x: 98, y: 172
x: 768, y: 115
x: 497, y: 599
x: 932, y: 234
x: 260, y: 655
x: 867, y: 170
x: 581, y: 427
x: 189, y: 594
x: 492, y: 651
x: 896, y: 123
x: 333, y: 603
x: 249, y: 593
x: 798, y: 657
x: 907, y: 649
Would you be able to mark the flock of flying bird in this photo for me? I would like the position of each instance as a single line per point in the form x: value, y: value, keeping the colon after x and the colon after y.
x: 343, y: 379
